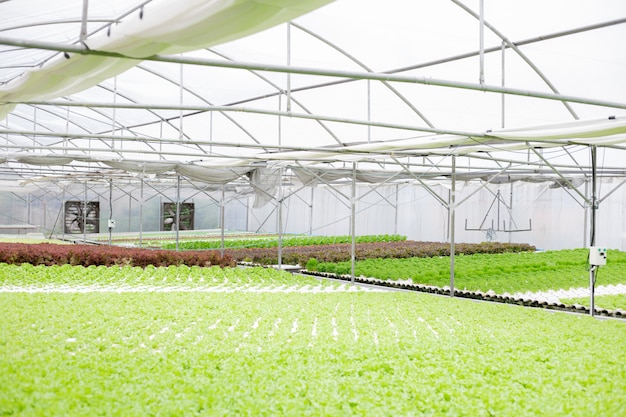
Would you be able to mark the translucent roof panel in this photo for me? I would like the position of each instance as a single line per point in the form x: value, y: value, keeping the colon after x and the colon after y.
x: 318, y: 83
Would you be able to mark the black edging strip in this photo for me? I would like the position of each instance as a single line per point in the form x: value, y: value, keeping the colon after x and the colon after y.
x: 476, y: 295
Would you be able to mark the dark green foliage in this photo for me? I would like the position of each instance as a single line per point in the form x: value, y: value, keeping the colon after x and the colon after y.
x: 311, y: 264
x: 502, y: 273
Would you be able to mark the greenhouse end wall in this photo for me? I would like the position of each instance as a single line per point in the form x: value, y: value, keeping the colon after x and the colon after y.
x: 557, y: 217
x: 544, y: 215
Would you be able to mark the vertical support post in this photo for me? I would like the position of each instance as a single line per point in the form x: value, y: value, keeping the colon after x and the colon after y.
x: 311, y: 211
x: 280, y: 220
x: 211, y: 132
x: 113, y: 118
x: 141, y: 211
x: 28, y: 204
x: 177, y: 217
x: 594, y: 208
x: 180, y: 98
x: 586, y: 213
x: 280, y: 131
x: 111, y: 208
x: 288, y: 64
x: 34, y: 125
x: 44, y: 208
x: 498, y: 199
x: 67, y: 129
x: 353, y: 224
x: 85, y: 213
x: 222, y: 210
x: 248, y: 214
x: 503, y: 97
x: 481, y: 77
x: 395, y: 225
x: 161, y: 135
x: 130, y: 209
x: 447, y: 232
x: 452, y: 209
x: 63, y: 208
x: 83, y: 24
x: 369, y: 111
x: 510, y: 210
x: 592, y: 282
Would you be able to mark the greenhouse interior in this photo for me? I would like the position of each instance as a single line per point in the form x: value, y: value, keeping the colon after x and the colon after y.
x: 313, y: 208
x: 452, y: 121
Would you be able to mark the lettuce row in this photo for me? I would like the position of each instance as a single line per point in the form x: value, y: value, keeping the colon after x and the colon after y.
x: 269, y: 354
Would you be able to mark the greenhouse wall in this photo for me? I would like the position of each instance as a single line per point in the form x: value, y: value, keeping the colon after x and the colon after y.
x: 557, y: 217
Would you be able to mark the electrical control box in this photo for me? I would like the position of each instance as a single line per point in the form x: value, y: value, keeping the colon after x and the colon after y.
x: 597, y: 256
x: 111, y: 223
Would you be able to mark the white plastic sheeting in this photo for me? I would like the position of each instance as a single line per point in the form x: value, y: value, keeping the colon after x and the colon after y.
x: 611, y: 130
x: 160, y: 27
x: 598, y: 132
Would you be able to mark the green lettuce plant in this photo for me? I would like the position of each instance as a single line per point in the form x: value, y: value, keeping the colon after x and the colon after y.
x: 502, y: 273
x: 268, y: 354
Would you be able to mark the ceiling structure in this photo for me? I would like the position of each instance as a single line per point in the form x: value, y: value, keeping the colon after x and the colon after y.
x: 219, y: 90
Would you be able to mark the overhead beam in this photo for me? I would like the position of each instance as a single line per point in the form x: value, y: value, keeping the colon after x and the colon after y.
x: 476, y: 171
x: 207, y: 108
x: 288, y: 69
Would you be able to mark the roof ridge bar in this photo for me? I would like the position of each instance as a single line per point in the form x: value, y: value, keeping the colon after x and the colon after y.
x: 377, y: 76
